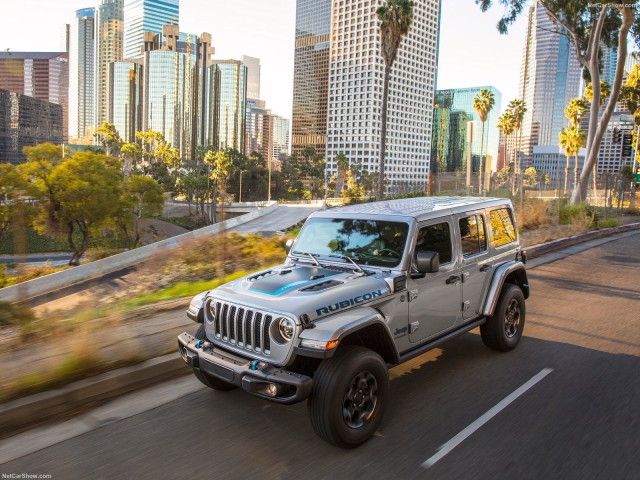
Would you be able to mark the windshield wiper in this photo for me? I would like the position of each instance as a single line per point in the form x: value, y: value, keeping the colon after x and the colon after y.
x: 311, y: 255
x: 344, y: 257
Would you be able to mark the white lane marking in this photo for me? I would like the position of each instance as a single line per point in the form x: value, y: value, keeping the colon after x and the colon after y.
x: 462, y: 436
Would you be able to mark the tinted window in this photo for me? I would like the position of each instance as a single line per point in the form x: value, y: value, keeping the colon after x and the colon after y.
x: 502, y: 229
x: 472, y: 235
x: 435, y: 238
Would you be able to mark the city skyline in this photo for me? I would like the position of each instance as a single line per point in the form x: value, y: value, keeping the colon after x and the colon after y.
x: 246, y: 27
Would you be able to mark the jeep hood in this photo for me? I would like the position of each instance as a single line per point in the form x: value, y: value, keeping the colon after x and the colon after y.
x: 316, y: 291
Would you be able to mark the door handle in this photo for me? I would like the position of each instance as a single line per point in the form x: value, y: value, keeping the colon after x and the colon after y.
x: 453, y: 279
x: 486, y: 267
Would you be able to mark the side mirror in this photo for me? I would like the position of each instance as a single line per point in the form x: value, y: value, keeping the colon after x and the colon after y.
x: 428, y: 262
x: 289, y: 244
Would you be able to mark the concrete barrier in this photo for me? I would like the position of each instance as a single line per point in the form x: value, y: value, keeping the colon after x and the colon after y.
x: 49, y: 283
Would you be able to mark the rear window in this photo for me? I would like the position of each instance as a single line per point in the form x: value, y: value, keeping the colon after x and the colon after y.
x: 502, y: 229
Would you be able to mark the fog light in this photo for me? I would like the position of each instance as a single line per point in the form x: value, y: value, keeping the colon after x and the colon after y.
x: 273, y: 390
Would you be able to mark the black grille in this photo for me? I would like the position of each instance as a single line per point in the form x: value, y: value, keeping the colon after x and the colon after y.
x: 243, y: 327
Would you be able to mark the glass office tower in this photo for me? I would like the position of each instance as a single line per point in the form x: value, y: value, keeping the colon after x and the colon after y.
x: 169, y: 97
x: 125, y: 98
x: 452, y: 111
x: 311, y: 75
x: 81, y: 69
x: 146, y: 16
x: 227, y: 104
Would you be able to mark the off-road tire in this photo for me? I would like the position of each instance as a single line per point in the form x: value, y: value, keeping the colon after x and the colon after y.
x: 503, y: 330
x: 334, y: 398
x: 208, y: 380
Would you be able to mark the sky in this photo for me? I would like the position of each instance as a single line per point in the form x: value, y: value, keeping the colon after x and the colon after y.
x: 472, y: 52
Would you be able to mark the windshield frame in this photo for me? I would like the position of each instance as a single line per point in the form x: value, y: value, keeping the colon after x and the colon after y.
x: 327, y: 258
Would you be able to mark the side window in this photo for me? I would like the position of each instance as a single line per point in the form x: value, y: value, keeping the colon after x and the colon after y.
x: 502, y: 227
x: 472, y: 235
x: 435, y: 238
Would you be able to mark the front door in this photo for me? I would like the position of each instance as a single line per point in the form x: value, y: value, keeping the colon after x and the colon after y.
x: 435, y: 299
x: 476, y: 268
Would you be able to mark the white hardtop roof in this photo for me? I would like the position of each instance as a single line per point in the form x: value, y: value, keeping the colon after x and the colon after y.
x: 412, y: 207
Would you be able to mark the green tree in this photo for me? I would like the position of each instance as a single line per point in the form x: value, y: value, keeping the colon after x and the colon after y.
x: 571, y: 141
x: 586, y: 24
x: 141, y: 197
x: 108, y: 137
x: 353, y: 190
x: 13, y: 187
x: 76, y: 197
x: 343, y: 167
x: 482, y: 104
x: 530, y: 177
x: 395, y: 18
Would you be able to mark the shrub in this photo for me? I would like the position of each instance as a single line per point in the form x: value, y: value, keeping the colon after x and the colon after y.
x: 608, y: 223
x: 581, y: 215
x: 15, y: 315
x: 534, y: 214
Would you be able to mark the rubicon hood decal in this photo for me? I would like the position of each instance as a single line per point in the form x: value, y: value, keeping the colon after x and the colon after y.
x: 279, y: 282
x: 348, y: 303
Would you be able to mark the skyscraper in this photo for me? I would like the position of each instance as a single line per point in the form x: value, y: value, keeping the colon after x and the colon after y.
x: 108, y: 48
x: 81, y: 70
x: 146, y: 16
x: 311, y: 75
x: 452, y: 112
x: 42, y: 75
x: 253, y: 76
x: 356, y: 76
x: 549, y: 78
x: 125, y: 98
x: 227, y: 104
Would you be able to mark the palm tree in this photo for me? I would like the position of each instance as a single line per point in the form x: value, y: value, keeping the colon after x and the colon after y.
x: 518, y: 109
x: 395, y: 21
x: 507, y: 123
x: 605, y: 91
x: 343, y: 166
x: 482, y: 104
x: 574, y: 112
x: 572, y: 140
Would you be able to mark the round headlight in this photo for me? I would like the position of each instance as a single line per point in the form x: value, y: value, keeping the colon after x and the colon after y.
x: 282, y: 330
x: 210, y: 308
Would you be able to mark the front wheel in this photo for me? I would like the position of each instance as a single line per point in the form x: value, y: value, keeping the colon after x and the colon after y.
x: 503, y: 330
x: 208, y: 380
x: 349, y: 396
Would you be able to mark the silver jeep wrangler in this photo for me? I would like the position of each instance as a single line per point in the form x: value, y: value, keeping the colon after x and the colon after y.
x: 364, y: 288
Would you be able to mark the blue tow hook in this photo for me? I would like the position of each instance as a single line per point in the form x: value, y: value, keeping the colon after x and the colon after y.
x: 254, y: 364
x: 199, y: 344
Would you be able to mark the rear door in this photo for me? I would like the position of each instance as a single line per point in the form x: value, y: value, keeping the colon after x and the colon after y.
x: 434, y: 299
x: 476, y: 263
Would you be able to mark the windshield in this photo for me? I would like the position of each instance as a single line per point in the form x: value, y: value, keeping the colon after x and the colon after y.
x: 367, y: 242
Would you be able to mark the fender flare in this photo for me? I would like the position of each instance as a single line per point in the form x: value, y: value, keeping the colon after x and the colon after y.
x: 343, y: 324
x: 512, y: 269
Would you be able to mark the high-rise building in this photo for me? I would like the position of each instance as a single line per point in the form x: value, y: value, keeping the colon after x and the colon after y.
x: 26, y: 121
x: 258, y: 128
x: 125, y: 98
x: 168, y: 97
x: 253, y: 76
x: 449, y: 147
x: 81, y: 70
x: 42, y: 75
x: 142, y: 16
x: 108, y: 48
x: 356, y: 77
x: 227, y: 104
x: 279, y: 140
x: 311, y: 75
x: 550, y: 77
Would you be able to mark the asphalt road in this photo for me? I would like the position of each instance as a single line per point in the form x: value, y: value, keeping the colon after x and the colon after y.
x: 580, y: 421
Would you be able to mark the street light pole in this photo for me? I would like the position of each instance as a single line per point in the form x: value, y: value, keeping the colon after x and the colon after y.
x: 240, y: 195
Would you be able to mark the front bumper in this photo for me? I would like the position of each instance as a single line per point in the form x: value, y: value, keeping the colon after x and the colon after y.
x: 255, y: 377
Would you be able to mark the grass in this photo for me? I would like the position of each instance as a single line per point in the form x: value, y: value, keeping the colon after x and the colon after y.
x: 181, y: 290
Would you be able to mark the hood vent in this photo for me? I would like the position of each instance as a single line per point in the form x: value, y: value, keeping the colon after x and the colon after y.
x: 321, y: 286
x: 260, y: 275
